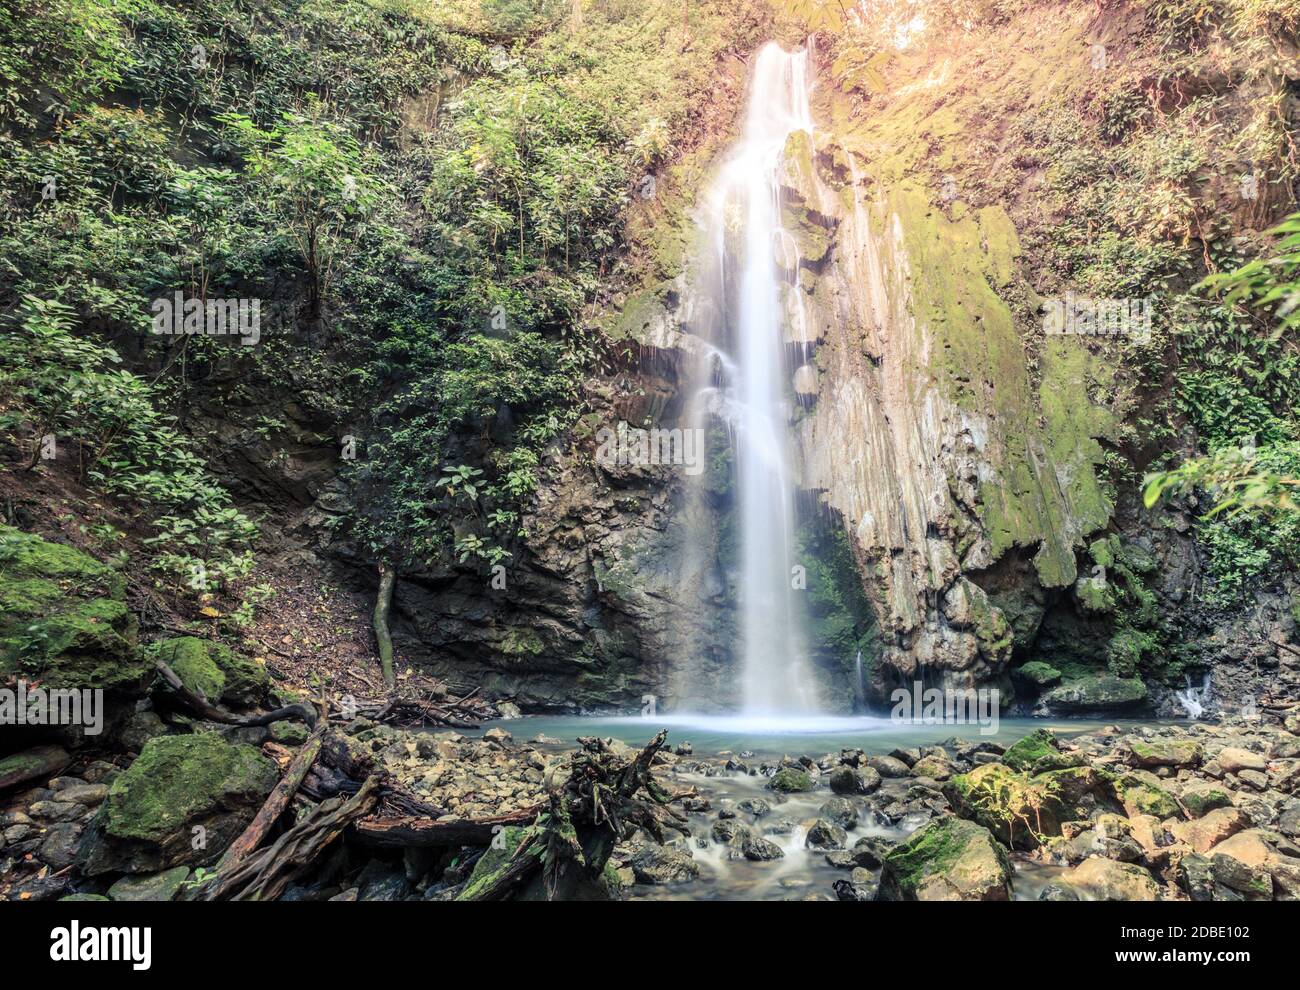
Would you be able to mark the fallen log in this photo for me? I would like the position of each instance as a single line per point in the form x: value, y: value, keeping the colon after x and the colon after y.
x: 37, y: 763
x: 276, y: 802
x: 212, y: 713
x: 263, y: 875
x: 410, y: 832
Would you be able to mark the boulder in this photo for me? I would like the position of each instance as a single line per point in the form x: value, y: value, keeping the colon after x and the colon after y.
x: 1234, y: 760
x: 1027, y: 751
x: 1200, y: 797
x: 1097, y: 693
x: 183, y: 800
x: 1021, y: 810
x: 1036, y: 675
x: 1165, y: 753
x: 824, y: 834
x: 1204, y: 833
x: 217, y: 672
x: 853, y: 780
x: 64, y: 619
x: 1100, y: 879
x: 841, y: 811
x: 889, y: 766
x: 789, y: 780
x: 948, y: 860
x: 1142, y: 794
x: 655, y: 864
x: 758, y: 849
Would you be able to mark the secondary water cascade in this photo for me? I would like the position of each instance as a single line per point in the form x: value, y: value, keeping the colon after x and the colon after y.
x: 745, y: 377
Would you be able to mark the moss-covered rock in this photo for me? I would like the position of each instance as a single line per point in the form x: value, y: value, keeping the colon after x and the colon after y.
x: 1036, y: 675
x: 788, y: 780
x: 63, y: 619
x: 1142, y: 794
x: 1025, y: 752
x: 183, y: 800
x: 1203, y: 796
x: 213, y: 669
x: 1165, y: 753
x: 1097, y: 693
x: 1022, y: 811
x: 948, y: 860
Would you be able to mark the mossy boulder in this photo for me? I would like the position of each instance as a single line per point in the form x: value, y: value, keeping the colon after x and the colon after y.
x: 214, y: 670
x: 1097, y: 693
x: 1142, y: 794
x: 1200, y: 797
x: 789, y: 780
x: 1165, y: 753
x: 1036, y: 675
x: 1028, y: 750
x: 183, y: 801
x: 1020, y: 810
x: 63, y: 618
x: 950, y: 859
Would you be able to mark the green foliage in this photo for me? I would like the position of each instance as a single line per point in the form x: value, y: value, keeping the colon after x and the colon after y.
x: 70, y: 388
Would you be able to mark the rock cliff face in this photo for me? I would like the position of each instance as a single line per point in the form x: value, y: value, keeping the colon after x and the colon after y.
x: 926, y: 433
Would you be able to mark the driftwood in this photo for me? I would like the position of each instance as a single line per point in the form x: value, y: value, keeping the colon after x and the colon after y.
x: 407, y: 832
x: 212, y: 713
x: 598, y: 805
x: 276, y: 802
x: 265, y: 874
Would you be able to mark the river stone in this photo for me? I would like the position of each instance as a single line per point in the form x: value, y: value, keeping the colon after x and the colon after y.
x: 655, y: 864
x: 788, y: 780
x: 754, y: 806
x: 760, y: 850
x: 1055, y: 892
x: 1234, y: 760
x: 59, y: 846
x: 82, y: 897
x: 889, y: 766
x: 151, y: 887
x: 840, y: 811
x: 1252, y: 883
x: 1100, y: 879
x: 870, y: 851
x: 933, y: 767
x: 1165, y: 753
x: 1204, y: 833
x: 825, y: 835
x: 950, y: 859
x: 177, y: 785
x: 851, y: 780
x: 1200, y: 797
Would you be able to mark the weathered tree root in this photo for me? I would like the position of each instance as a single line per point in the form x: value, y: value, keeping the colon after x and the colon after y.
x: 564, y: 852
x: 201, y: 706
x: 265, y: 874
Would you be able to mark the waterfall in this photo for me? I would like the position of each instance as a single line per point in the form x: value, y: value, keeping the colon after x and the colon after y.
x: 747, y: 379
x: 1194, y: 699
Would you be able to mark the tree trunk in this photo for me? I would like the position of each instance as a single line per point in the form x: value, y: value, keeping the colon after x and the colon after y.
x: 383, y: 601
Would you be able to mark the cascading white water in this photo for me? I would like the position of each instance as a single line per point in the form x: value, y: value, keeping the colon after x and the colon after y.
x: 748, y: 390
